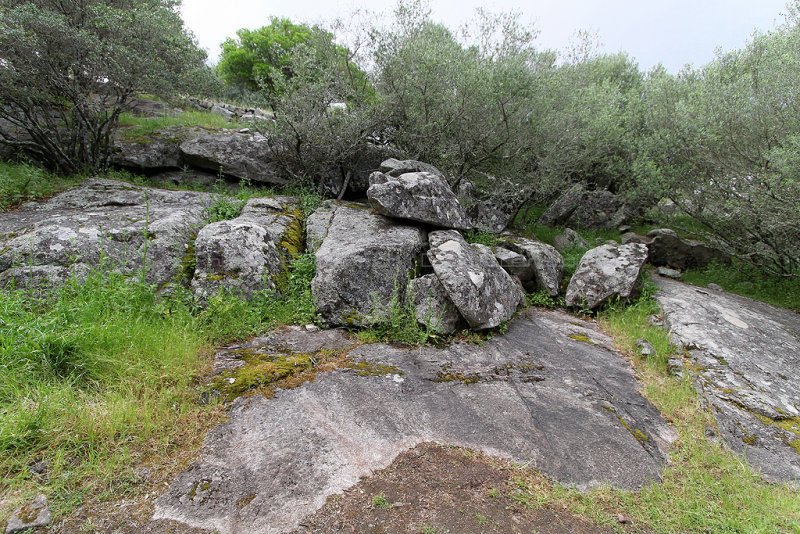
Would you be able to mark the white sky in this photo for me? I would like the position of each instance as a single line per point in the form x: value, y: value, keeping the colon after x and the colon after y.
x: 673, y: 32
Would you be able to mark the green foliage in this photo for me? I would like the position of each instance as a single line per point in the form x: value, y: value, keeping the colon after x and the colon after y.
x: 22, y: 182
x: 483, y: 238
x: 257, y: 59
x: 136, y: 127
x: 748, y: 281
x: 724, y: 146
x: 397, y: 322
x: 380, y: 501
x: 72, y: 67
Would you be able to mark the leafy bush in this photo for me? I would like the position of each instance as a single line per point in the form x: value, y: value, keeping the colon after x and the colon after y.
x: 70, y: 69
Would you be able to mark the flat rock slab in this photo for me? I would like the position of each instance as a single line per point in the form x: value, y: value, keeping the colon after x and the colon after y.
x: 120, y: 225
x: 551, y: 392
x: 746, y: 361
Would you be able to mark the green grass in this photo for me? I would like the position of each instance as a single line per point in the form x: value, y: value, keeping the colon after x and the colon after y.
x: 22, y: 182
x: 749, y: 282
x: 100, y: 377
x: 136, y: 127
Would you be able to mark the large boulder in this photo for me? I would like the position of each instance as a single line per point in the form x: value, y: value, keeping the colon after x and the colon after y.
x: 569, y: 239
x: 395, y: 167
x: 158, y: 150
x: 491, y: 215
x: 364, y: 262
x: 606, y: 272
x: 418, y: 196
x: 246, y: 156
x: 744, y: 359
x: 317, y: 225
x: 515, y: 264
x: 581, y: 208
x: 545, y: 261
x: 251, y: 252
x: 483, y: 292
x: 432, y: 307
x: 666, y: 248
x: 103, y: 223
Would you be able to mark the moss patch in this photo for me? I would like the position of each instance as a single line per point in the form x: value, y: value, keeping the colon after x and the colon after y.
x: 264, y: 369
x: 583, y: 338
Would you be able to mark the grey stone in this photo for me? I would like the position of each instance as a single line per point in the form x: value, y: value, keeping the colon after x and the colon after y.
x: 222, y: 112
x: 715, y: 287
x: 569, y: 239
x: 418, y: 196
x: 538, y: 395
x: 33, y: 515
x: 585, y: 209
x: 364, y: 261
x: 644, y: 347
x: 666, y: 248
x: 317, y: 225
x: 481, y: 290
x: 669, y: 273
x: 514, y: 264
x: 675, y: 367
x: 158, y: 150
x: 491, y: 215
x: 395, y: 167
x: 251, y: 252
x: 625, y: 228
x: 546, y: 262
x: 244, y: 156
x: 121, y: 226
x: 747, y: 359
x: 633, y: 237
x: 605, y: 272
x: 433, y: 307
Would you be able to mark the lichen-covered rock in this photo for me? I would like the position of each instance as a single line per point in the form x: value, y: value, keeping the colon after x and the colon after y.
x: 545, y: 261
x: 123, y: 227
x: 418, y: 196
x: 569, y: 239
x: 433, y: 307
x: 158, y: 150
x: 605, y: 272
x: 363, y: 263
x: 251, y: 252
x: 745, y: 362
x: 491, y: 215
x: 514, y: 264
x: 666, y: 248
x: 243, y: 155
x: 43, y: 277
x: 580, y: 208
x: 395, y: 167
x: 317, y: 225
x: 482, y: 291
x: 33, y: 515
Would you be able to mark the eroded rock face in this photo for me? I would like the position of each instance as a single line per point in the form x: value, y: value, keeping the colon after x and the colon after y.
x: 158, y: 150
x: 395, y: 167
x: 605, y: 272
x: 514, y: 264
x: 246, y: 156
x: 250, y: 253
x: 546, y: 262
x: 482, y: 291
x: 433, y: 307
x: 745, y: 358
x: 317, y: 225
x: 418, y: 196
x: 667, y: 249
x: 123, y: 226
x: 549, y: 392
x: 365, y: 259
x: 580, y: 208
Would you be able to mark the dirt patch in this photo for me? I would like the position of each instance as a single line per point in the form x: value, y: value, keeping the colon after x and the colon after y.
x: 439, y: 489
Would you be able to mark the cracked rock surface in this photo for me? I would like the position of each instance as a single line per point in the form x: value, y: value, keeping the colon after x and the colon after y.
x: 551, y: 392
x: 745, y: 359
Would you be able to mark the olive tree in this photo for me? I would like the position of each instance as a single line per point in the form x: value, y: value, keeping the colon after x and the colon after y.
x: 724, y: 145
x: 68, y: 69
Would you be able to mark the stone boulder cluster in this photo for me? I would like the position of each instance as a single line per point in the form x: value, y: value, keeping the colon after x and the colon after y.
x: 407, y: 247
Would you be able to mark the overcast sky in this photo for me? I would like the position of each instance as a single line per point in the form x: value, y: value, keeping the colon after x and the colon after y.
x: 671, y: 32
